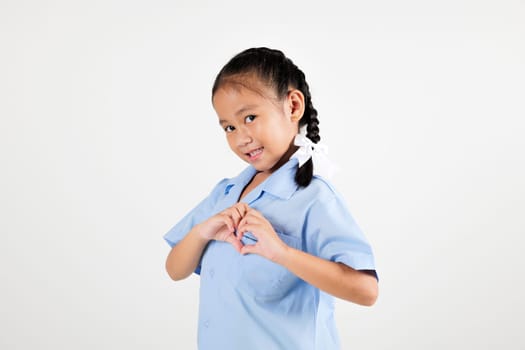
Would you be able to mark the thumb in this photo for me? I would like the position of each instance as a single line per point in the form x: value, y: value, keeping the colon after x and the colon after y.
x: 234, y: 242
x: 249, y: 249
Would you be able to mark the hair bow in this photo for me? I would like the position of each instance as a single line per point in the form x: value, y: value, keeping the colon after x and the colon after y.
x: 323, y: 166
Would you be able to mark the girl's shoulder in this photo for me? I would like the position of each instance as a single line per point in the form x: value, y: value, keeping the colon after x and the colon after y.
x: 320, y: 193
x: 220, y: 186
x: 322, y: 188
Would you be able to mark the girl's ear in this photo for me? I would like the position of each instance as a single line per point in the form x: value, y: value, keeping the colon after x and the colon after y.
x: 295, y: 104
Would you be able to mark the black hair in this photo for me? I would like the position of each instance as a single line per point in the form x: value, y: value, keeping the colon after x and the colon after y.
x: 281, y: 74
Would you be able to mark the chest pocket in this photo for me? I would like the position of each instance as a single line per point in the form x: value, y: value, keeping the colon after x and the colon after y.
x: 262, y: 278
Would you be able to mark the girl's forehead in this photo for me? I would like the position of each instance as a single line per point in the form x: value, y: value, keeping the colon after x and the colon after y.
x: 231, y: 102
x: 228, y: 101
x: 232, y: 93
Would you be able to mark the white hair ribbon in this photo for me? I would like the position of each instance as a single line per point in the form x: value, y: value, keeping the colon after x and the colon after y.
x: 323, y: 166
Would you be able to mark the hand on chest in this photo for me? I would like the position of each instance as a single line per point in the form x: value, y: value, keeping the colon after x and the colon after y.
x: 254, y: 233
x: 262, y: 235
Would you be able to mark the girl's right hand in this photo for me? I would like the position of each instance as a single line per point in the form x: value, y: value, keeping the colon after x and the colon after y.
x: 222, y: 226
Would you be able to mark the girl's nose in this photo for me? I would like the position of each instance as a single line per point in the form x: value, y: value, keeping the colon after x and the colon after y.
x: 243, y: 138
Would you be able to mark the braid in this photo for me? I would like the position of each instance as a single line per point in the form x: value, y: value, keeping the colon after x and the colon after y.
x: 279, y: 72
x: 304, y: 174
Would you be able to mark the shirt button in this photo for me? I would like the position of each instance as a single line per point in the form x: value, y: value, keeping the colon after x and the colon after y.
x: 206, y: 324
x: 212, y: 273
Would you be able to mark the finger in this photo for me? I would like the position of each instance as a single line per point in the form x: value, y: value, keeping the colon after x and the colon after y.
x: 235, y: 216
x: 235, y: 243
x: 240, y: 233
x: 227, y: 220
x: 241, y: 228
x: 226, y: 213
x: 253, y: 228
x: 254, y: 213
x: 250, y: 224
x: 249, y: 249
x: 238, y: 211
x: 242, y: 208
x: 250, y: 213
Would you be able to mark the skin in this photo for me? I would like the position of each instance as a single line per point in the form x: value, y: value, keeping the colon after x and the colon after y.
x: 260, y: 129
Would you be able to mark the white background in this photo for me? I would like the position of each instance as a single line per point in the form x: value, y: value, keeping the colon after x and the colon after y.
x: 108, y: 137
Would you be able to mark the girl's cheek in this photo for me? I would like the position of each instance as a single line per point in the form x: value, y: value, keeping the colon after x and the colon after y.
x: 230, y: 139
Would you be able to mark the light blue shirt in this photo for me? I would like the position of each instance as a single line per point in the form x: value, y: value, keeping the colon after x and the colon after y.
x: 249, y: 302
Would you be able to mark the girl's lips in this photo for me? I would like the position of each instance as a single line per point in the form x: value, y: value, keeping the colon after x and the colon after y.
x: 254, y: 154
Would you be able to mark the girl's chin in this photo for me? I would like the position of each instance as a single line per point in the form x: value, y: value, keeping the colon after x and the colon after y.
x: 261, y: 168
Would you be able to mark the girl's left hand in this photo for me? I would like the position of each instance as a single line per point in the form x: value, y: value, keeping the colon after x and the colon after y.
x: 268, y: 245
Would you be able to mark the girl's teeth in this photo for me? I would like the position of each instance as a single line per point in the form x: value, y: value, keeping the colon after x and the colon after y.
x: 256, y: 152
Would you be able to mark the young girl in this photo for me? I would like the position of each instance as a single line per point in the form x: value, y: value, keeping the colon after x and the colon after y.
x: 276, y: 243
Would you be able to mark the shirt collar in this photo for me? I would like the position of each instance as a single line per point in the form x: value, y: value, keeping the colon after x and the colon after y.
x: 280, y: 184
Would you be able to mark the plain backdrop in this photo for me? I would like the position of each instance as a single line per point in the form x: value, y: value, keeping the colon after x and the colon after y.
x: 108, y: 137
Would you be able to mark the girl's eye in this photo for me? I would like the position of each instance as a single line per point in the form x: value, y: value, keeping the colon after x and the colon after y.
x: 229, y: 128
x: 249, y: 118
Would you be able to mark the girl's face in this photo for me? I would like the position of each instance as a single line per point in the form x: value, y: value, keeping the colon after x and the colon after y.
x: 259, y: 128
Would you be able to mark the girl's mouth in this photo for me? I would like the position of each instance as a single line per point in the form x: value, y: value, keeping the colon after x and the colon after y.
x: 255, y: 153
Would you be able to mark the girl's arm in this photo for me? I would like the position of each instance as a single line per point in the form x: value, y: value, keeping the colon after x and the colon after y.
x: 331, y: 277
x: 184, y: 257
x: 334, y: 278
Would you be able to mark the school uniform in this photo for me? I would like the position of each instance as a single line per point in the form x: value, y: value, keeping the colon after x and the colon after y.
x: 249, y: 302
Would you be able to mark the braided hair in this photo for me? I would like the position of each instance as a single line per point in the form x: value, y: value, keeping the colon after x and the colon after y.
x: 279, y: 73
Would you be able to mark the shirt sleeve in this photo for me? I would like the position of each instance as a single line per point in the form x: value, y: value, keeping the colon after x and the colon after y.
x: 333, y: 234
x: 200, y: 213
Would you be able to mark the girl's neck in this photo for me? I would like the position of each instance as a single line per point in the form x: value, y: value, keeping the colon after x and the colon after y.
x: 285, y: 158
x: 260, y: 176
x: 255, y: 181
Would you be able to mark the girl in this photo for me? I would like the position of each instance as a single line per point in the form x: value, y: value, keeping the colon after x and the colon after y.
x: 275, y: 244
